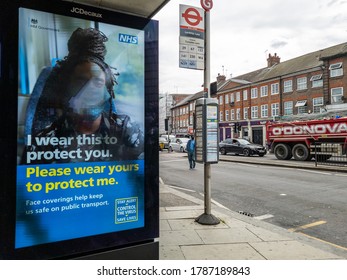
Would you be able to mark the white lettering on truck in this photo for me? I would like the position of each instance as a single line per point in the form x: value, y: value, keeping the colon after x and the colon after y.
x: 310, y: 129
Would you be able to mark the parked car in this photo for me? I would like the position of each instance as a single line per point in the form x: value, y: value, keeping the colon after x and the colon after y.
x: 178, y: 145
x: 170, y: 137
x: 163, y: 143
x: 241, y: 146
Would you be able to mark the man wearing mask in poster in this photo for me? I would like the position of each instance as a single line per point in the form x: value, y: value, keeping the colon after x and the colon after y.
x: 86, y: 127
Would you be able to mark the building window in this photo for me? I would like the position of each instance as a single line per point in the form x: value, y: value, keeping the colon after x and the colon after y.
x: 288, y: 86
x: 254, y: 93
x: 264, y: 111
x: 302, y: 110
x: 288, y: 108
x: 238, y: 115
x: 232, y: 98
x: 245, y: 94
x: 226, y: 99
x: 221, y: 100
x: 238, y: 97
x: 254, y: 112
x: 232, y: 114
x: 275, y: 88
x: 275, y: 109
x: 301, y: 83
x: 245, y: 113
x: 317, y: 104
x: 226, y: 115
x: 263, y: 91
x: 302, y: 106
x: 336, y: 70
x: 336, y: 95
x: 317, y: 80
x: 221, y: 116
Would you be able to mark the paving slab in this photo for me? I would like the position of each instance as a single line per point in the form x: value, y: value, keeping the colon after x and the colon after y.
x: 242, y: 251
x: 184, y: 224
x: 164, y: 225
x: 232, y: 235
x: 185, y: 214
x: 183, y: 237
x: 172, y: 252
x: 266, y: 235
x: 291, y: 250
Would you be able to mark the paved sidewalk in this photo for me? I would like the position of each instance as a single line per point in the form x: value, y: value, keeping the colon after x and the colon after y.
x: 237, y: 237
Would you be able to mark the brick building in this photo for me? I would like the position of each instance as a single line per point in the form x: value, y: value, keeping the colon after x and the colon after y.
x: 182, y: 114
x: 166, y: 102
x: 303, y: 86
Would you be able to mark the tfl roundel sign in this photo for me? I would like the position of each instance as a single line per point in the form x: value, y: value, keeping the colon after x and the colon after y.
x: 206, y: 4
x: 191, y: 17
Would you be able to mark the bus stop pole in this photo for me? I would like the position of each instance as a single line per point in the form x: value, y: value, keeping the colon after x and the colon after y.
x: 207, y: 218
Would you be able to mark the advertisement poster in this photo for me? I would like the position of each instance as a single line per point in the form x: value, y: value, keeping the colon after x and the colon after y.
x: 80, y: 151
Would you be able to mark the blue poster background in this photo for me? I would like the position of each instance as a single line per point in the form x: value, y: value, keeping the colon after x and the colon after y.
x: 57, y: 202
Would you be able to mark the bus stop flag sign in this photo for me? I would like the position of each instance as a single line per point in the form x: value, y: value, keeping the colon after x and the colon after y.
x: 206, y: 4
x: 192, y: 35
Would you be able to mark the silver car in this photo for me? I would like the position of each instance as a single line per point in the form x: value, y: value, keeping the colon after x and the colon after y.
x: 178, y: 145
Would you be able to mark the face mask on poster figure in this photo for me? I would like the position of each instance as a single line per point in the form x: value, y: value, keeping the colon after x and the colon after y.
x: 85, y: 126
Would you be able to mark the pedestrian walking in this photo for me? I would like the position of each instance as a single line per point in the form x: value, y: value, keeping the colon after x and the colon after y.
x: 191, y: 152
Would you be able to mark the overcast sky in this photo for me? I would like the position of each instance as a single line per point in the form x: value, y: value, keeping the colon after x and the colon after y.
x: 243, y: 33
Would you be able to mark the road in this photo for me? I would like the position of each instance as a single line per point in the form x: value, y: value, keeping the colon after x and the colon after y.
x: 312, y: 202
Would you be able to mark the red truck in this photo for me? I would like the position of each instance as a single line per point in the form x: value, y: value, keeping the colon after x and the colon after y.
x: 304, y: 140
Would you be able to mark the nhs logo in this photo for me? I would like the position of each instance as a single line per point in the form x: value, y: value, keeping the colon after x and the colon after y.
x: 129, y: 39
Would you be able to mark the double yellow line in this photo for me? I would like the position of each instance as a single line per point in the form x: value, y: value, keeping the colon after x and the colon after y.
x: 307, y: 226
x: 297, y: 229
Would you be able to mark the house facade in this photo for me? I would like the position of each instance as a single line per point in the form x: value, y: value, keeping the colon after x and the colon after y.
x: 166, y: 102
x: 298, y: 88
x: 184, y: 111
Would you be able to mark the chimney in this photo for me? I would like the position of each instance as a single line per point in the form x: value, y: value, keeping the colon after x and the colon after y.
x: 273, y: 60
x: 220, y: 78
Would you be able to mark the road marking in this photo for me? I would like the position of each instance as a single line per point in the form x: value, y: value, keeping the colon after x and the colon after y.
x: 183, y: 189
x: 317, y: 172
x: 321, y: 240
x: 215, y: 202
x: 218, y: 204
x: 247, y: 164
x: 308, y: 226
x: 264, y: 217
x: 173, y: 160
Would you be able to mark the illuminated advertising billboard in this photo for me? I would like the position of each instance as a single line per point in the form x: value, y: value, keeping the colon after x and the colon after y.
x: 82, y: 152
